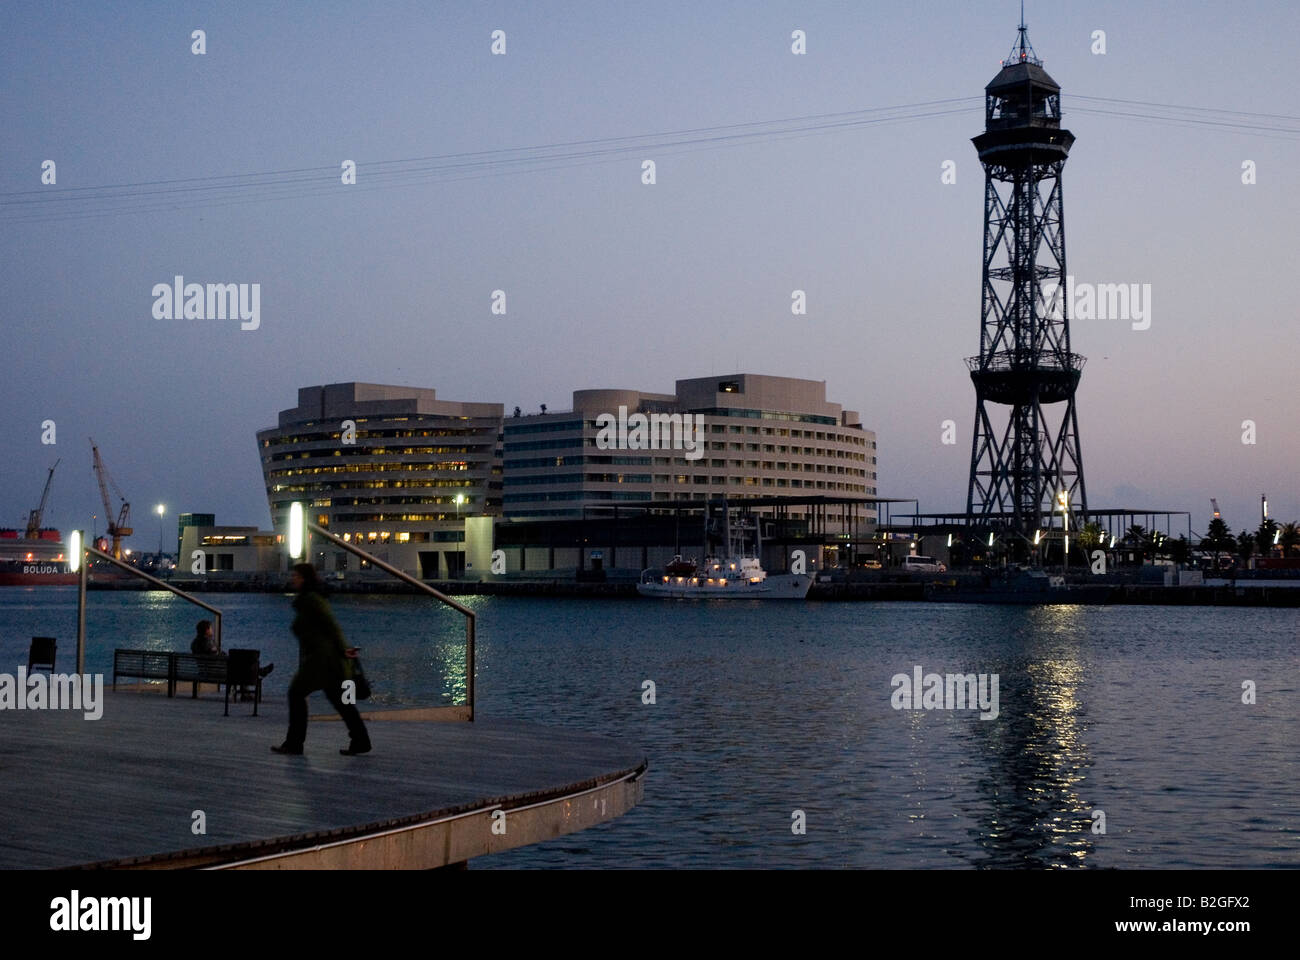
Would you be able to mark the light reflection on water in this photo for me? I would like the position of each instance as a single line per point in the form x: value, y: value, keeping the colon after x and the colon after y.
x: 763, y: 709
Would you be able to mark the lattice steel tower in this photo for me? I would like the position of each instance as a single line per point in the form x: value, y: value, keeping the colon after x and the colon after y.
x: 1019, y: 470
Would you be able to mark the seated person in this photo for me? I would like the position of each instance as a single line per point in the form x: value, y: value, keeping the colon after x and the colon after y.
x: 205, y: 642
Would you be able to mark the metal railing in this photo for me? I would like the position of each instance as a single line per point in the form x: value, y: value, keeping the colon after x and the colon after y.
x: 424, y: 587
x: 83, y: 572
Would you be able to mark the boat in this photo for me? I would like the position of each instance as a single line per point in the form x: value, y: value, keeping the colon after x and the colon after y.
x: 736, y: 575
x: 740, y: 579
x: 35, y: 556
x: 39, y: 561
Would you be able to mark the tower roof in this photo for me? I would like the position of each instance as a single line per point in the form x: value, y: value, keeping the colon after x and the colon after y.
x: 1021, y: 65
x: 1014, y: 75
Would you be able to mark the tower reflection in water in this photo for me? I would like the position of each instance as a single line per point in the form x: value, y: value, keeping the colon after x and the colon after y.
x: 1037, y: 812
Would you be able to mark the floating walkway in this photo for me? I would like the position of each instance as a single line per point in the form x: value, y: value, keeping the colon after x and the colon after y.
x: 133, y: 788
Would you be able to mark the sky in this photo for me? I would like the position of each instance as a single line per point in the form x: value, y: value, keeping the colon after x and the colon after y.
x: 609, y: 281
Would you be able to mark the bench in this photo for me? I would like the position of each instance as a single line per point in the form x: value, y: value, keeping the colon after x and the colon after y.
x: 198, y: 668
x: 240, y: 668
x: 143, y: 665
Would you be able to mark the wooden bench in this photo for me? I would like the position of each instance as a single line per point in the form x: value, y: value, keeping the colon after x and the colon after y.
x: 198, y: 668
x: 239, y: 668
x: 143, y: 665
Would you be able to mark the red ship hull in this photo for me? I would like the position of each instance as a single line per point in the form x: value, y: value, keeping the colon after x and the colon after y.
x: 10, y: 578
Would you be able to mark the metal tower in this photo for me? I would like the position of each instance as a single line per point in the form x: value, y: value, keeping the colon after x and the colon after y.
x: 1019, y: 470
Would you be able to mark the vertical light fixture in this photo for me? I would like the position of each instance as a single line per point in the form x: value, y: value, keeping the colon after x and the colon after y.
x: 77, y: 561
x: 297, y: 530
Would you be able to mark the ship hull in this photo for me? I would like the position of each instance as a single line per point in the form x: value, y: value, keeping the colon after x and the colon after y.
x: 37, y: 575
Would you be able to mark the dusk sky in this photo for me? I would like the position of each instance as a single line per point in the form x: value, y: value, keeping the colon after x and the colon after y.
x: 611, y: 282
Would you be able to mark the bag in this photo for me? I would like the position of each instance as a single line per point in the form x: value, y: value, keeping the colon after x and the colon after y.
x: 359, y: 678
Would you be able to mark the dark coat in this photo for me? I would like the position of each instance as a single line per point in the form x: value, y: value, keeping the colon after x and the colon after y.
x: 322, y: 657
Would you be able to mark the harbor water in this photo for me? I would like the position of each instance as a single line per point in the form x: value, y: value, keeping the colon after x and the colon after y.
x: 770, y: 717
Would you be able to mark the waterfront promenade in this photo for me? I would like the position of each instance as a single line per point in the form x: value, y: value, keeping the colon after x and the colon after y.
x: 128, y: 789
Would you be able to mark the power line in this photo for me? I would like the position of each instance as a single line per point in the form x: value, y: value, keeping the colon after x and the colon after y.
x: 150, y: 196
x: 1177, y: 106
x: 159, y: 195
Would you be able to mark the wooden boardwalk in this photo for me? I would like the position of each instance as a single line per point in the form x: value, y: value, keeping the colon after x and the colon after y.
x: 123, y: 790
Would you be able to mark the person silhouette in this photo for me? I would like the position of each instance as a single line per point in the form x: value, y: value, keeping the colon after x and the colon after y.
x: 324, y: 663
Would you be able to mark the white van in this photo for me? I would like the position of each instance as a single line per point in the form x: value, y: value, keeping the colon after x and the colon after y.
x: 919, y: 564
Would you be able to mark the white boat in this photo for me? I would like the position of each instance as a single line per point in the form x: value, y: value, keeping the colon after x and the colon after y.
x: 742, y: 579
x: 737, y: 576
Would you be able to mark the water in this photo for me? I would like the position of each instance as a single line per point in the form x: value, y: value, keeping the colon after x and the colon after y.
x: 764, y: 709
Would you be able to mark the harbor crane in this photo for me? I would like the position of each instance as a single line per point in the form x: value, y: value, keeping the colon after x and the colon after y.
x: 1215, y: 505
x: 119, y: 529
x: 34, y: 517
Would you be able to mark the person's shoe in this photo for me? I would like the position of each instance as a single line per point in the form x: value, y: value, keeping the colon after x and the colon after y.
x: 266, y: 669
x: 285, y: 748
x: 355, y: 748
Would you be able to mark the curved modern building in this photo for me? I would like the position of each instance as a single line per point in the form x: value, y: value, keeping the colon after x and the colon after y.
x: 759, y: 436
x: 393, y: 468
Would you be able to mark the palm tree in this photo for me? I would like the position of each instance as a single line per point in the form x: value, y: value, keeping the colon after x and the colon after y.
x: 1288, y: 538
x: 1217, y: 538
x: 1245, y: 547
x: 1180, y: 550
x: 1092, y: 534
x: 1264, y: 537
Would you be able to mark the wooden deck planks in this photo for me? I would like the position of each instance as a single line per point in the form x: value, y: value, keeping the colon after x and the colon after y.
x: 79, y: 791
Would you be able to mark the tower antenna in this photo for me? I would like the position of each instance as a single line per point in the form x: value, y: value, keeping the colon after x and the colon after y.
x: 1022, y: 51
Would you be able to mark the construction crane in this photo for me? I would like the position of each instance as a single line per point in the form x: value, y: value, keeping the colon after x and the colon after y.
x: 35, y: 516
x: 1215, y: 504
x: 119, y: 529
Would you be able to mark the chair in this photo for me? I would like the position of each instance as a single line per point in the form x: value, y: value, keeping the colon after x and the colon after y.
x: 243, y: 669
x: 41, y: 653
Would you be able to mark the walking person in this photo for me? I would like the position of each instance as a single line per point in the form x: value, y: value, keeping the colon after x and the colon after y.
x: 324, y: 663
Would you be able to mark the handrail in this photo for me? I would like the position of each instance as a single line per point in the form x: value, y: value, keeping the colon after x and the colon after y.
x: 436, y: 594
x: 134, y: 571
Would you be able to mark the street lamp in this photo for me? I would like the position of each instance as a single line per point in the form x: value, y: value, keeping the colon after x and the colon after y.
x: 1063, y: 498
x: 460, y: 498
x: 160, y: 510
x: 77, y: 563
x: 297, y: 531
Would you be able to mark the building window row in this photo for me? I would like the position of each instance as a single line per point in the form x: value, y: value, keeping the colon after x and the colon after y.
x: 334, y: 436
x: 735, y: 412
x: 544, y: 478
x: 351, y: 451
x: 544, y: 427
x: 390, y: 467
x: 332, y: 485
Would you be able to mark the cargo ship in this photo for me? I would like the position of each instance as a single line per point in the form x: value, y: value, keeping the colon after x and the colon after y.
x: 35, y: 556
x: 34, y: 561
